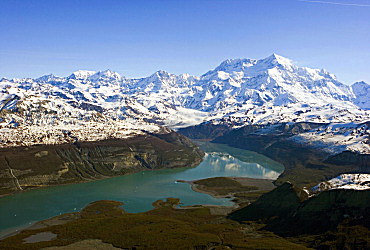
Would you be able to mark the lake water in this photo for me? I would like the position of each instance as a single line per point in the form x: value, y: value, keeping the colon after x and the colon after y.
x: 137, y: 191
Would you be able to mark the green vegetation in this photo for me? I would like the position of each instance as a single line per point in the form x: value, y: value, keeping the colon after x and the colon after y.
x: 219, y: 182
x: 164, y: 227
x: 243, y: 190
x: 345, y: 236
x: 335, y: 219
x: 222, y: 186
x: 281, y: 219
x: 284, y: 218
x: 279, y: 202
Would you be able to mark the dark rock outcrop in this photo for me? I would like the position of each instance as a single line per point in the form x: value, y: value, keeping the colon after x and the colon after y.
x: 205, y: 131
x: 287, y: 211
x: 281, y: 201
x: 44, y: 165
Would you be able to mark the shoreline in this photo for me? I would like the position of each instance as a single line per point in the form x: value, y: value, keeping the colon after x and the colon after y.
x: 82, y: 162
x: 195, y: 188
x: 92, y: 180
x: 262, y: 185
x: 219, y: 209
x: 18, y: 229
x: 215, y: 209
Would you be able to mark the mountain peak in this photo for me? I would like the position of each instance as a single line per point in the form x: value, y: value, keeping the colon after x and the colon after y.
x: 46, y: 78
x: 362, y: 93
x: 82, y: 74
x: 360, y: 83
x: 160, y: 74
x: 105, y: 74
x: 231, y: 65
x: 276, y: 59
x: 251, y: 66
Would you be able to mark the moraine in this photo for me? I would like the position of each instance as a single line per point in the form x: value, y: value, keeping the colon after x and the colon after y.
x: 137, y: 191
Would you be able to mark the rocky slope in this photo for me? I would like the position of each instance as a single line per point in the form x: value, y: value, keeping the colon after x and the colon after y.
x: 89, y: 106
x: 345, y: 181
x: 287, y: 211
x: 35, y: 166
x: 306, y: 162
x: 269, y: 105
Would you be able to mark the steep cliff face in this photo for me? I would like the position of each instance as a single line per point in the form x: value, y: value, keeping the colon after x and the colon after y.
x: 205, y: 131
x: 22, y: 168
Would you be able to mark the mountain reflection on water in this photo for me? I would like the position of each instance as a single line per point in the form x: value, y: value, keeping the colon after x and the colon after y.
x: 223, y: 164
x: 137, y: 191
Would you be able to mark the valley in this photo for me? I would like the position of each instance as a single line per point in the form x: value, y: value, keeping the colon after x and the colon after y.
x: 230, y: 159
x: 138, y: 191
x: 24, y: 168
x: 305, y: 164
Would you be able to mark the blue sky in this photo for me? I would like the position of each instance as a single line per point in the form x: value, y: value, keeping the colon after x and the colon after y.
x: 137, y: 38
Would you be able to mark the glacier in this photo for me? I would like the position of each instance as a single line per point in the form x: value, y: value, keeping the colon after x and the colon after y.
x: 89, y: 105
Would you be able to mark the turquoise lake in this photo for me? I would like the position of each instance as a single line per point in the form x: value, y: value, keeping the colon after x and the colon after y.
x: 137, y: 191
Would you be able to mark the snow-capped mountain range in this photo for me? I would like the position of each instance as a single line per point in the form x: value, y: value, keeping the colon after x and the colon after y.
x: 345, y: 181
x: 89, y: 105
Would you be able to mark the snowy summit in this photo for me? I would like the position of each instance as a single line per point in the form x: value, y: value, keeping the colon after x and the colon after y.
x: 238, y: 92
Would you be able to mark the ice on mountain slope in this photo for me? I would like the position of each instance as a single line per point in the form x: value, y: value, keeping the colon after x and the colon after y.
x: 338, y: 137
x: 248, y: 114
x: 28, y: 117
x: 362, y: 92
x: 345, y: 181
x: 271, y: 80
x: 184, y: 117
x: 237, y: 92
x: 81, y: 74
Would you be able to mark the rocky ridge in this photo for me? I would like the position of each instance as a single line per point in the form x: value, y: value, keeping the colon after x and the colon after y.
x: 90, y: 106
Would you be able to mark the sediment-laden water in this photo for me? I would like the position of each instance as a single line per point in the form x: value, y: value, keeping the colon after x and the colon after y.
x: 137, y: 191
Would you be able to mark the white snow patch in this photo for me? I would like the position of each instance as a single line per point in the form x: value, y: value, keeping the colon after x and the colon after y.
x: 345, y: 181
